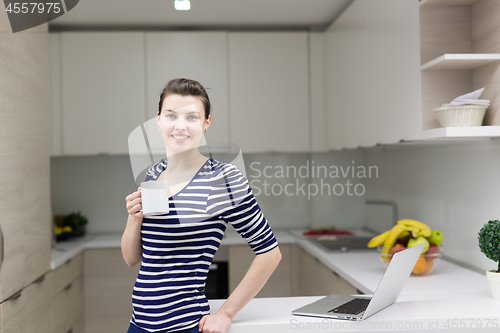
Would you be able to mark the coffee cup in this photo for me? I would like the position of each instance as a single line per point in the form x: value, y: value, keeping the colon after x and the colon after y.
x: 154, y: 198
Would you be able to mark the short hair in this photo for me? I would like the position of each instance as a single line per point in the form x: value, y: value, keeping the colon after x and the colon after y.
x: 186, y: 87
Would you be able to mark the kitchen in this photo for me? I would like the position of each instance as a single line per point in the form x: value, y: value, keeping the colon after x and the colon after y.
x: 336, y: 84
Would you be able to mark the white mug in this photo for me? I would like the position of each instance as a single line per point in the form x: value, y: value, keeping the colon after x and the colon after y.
x: 154, y: 196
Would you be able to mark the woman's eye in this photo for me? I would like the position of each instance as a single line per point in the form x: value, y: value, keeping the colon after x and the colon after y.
x: 171, y: 116
x: 193, y: 117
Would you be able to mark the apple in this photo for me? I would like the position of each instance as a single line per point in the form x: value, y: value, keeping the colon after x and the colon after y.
x: 433, y: 251
x: 397, y: 248
x: 419, y: 240
x: 436, y: 237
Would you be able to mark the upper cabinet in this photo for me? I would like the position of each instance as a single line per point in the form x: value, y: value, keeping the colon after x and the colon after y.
x: 460, y: 53
x: 102, y: 91
x: 201, y: 56
x: 269, y: 91
x: 106, y: 84
x: 372, y: 68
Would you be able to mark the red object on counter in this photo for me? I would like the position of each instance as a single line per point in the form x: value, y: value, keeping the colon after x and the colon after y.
x: 328, y: 232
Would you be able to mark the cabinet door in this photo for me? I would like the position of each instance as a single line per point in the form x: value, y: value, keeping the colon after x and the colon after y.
x: 24, y: 163
x: 109, y: 283
x: 103, y: 96
x: 349, y: 113
x: 280, y: 282
x: 373, y: 74
x: 316, y: 279
x: 201, y: 56
x: 268, y: 93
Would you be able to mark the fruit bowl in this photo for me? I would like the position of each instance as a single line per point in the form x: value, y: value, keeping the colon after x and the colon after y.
x: 426, y: 263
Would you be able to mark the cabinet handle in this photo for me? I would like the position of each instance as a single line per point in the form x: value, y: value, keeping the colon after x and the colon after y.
x: 40, y: 279
x: 15, y: 296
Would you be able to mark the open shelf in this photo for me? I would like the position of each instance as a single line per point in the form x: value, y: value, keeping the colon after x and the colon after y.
x: 460, y: 132
x: 460, y: 61
x: 447, y: 2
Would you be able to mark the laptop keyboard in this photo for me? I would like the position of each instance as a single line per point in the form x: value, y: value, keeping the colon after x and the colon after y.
x: 355, y: 306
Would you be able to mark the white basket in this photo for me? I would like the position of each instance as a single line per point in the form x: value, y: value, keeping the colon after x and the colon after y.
x: 461, y: 115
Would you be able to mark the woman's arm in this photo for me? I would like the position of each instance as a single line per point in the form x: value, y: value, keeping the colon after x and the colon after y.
x: 256, y: 277
x: 131, y: 243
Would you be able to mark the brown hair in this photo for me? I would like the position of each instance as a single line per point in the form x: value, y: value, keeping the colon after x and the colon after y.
x: 185, y: 87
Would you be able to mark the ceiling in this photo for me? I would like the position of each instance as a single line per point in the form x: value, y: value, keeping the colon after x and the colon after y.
x: 310, y: 15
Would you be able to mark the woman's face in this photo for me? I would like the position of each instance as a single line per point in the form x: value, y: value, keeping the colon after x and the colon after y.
x: 182, y: 122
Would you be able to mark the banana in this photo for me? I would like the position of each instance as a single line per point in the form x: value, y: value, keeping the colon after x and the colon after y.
x: 425, y: 230
x: 393, y: 236
x: 379, y: 240
x: 414, y: 231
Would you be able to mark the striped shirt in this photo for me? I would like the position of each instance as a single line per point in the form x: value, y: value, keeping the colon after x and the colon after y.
x: 178, y: 247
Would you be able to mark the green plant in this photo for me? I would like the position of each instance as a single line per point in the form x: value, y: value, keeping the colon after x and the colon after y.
x: 75, y: 220
x: 489, y: 241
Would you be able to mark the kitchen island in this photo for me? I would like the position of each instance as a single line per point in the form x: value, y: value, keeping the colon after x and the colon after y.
x: 455, y: 312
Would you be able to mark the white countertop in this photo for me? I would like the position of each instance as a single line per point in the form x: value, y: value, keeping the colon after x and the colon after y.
x: 408, y: 314
x: 364, y: 270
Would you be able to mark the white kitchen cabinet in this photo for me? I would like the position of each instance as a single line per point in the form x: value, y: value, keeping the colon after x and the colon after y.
x: 281, y: 282
x: 201, y: 56
x: 109, y: 283
x: 269, y: 91
x: 373, y: 92
x: 103, y: 90
x: 315, y: 279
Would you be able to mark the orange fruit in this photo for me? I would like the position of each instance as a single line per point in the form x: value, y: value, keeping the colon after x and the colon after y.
x: 428, y: 266
x: 419, y: 266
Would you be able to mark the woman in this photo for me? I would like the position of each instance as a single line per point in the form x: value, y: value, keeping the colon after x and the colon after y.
x: 177, y: 248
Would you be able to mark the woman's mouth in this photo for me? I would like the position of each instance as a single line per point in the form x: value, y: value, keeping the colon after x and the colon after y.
x: 180, y: 138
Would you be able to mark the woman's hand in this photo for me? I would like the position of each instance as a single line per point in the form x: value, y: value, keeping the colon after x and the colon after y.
x: 216, y: 323
x: 134, y: 204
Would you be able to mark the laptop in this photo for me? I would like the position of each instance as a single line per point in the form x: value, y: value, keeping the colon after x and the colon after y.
x: 360, y: 307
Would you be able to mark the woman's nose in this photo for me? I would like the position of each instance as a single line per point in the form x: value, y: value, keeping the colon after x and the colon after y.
x: 180, y: 123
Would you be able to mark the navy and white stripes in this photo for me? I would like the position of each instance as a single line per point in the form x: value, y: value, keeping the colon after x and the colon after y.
x: 179, y: 247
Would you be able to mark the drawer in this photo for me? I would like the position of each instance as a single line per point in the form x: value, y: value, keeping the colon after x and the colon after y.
x: 64, y: 274
x: 67, y: 307
x: 37, y: 307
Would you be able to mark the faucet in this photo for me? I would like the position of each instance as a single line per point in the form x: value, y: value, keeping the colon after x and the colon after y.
x: 391, y: 203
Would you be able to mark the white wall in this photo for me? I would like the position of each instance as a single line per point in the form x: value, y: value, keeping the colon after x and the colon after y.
x: 451, y: 187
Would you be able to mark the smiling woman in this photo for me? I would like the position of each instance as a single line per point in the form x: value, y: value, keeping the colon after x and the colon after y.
x: 177, y: 248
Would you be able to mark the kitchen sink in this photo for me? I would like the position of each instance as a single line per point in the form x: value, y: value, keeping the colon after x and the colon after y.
x: 342, y: 243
